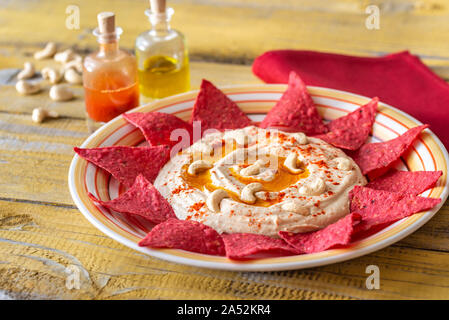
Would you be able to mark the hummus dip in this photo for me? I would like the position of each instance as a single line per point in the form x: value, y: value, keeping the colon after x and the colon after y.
x: 261, y: 181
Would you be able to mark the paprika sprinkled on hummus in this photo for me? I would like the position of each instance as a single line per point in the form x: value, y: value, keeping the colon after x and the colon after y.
x: 258, y: 191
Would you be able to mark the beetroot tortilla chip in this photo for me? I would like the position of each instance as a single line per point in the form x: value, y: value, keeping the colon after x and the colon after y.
x: 142, y: 199
x: 216, y: 111
x: 378, y: 155
x: 379, y: 207
x: 406, y: 182
x: 335, y: 235
x: 126, y: 163
x: 242, y: 246
x: 295, y: 110
x: 157, y: 128
x: 351, y: 131
x: 186, y: 235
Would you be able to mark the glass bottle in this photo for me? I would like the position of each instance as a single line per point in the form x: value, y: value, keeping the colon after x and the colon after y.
x: 109, y: 76
x: 162, y: 58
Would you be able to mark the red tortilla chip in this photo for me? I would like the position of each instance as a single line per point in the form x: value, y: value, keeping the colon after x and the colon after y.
x: 126, y: 163
x: 157, y: 127
x: 379, y: 207
x: 378, y: 155
x: 142, y: 199
x: 242, y: 246
x: 406, y: 182
x: 295, y: 111
x: 216, y: 111
x: 335, y: 235
x: 187, y: 235
x: 351, y: 131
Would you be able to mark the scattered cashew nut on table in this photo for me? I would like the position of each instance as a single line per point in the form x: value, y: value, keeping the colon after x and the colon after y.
x: 27, y: 72
x: 26, y: 88
x: 40, y: 114
x: 65, y: 56
x: 76, y: 64
x: 72, y: 76
x: 248, y: 192
x: 214, y: 199
x: 198, y: 166
x: 60, y: 92
x: 291, y: 163
x: 48, y: 52
x: 51, y: 74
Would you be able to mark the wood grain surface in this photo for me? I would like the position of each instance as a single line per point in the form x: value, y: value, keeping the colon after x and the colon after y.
x: 42, y: 233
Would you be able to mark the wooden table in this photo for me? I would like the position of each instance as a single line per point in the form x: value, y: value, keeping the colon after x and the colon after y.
x: 42, y: 232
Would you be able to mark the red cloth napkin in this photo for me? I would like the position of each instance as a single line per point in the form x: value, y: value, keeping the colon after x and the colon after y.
x: 398, y: 79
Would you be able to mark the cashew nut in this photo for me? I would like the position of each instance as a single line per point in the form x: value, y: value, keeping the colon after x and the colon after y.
x: 198, y: 166
x: 65, y: 56
x: 27, y: 72
x: 71, y: 76
x: 314, y: 188
x: 253, y: 169
x: 76, y: 64
x: 48, y: 52
x: 214, y: 199
x: 291, y: 163
x: 343, y: 163
x: 51, y: 74
x: 300, y: 137
x: 248, y: 191
x: 24, y: 87
x: 293, y: 206
x: 60, y: 92
x: 40, y: 114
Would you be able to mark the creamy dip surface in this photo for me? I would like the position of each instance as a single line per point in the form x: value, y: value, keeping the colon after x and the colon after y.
x: 308, y: 198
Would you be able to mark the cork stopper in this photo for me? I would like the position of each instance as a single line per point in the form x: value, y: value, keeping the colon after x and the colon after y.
x: 106, y: 31
x: 106, y: 22
x: 157, y: 6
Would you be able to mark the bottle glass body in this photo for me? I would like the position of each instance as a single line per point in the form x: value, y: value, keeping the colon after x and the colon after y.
x: 162, y: 59
x: 110, y: 83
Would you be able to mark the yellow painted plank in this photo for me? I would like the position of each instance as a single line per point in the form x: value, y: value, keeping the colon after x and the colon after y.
x: 38, y: 243
x: 34, y: 159
x: 231, y: 29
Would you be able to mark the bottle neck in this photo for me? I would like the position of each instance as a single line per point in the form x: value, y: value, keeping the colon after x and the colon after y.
x: 109, y: 48
x: 160, y: 27
x: 108, y: 41
x: 160, y: 22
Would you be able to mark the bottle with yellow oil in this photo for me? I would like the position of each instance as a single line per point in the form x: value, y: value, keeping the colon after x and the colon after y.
x: 162, y: 58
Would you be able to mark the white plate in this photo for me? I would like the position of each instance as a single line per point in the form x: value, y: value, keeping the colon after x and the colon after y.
x: 427, y: 153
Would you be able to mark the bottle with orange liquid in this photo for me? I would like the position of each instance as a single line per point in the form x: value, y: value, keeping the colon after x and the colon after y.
x: 109, y: 76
